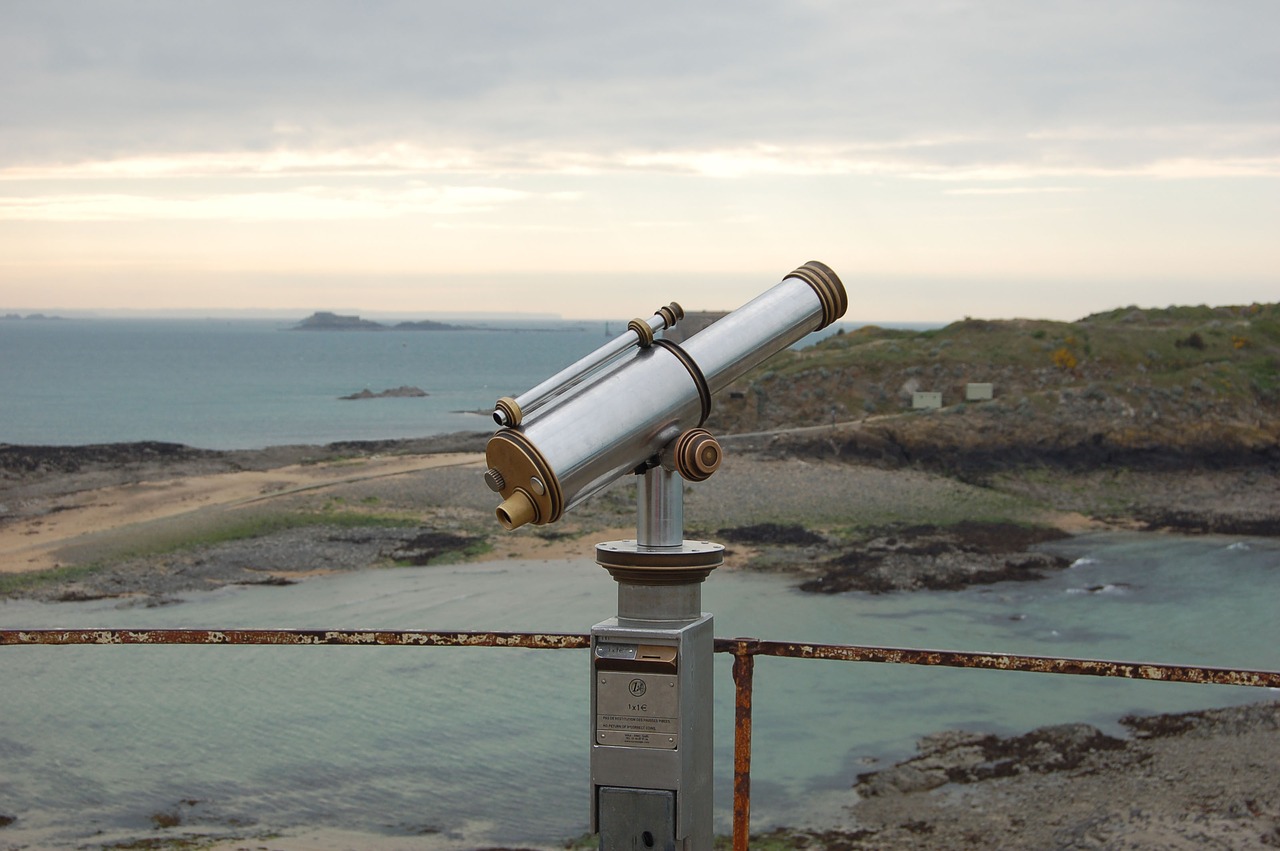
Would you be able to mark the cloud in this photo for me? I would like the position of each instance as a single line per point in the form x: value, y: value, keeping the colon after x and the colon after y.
x: 1084, y: 138
x: 306, y: 204
x: 713, y: 88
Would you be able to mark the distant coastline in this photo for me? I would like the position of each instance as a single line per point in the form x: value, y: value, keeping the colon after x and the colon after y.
x: 37, y: 317
x: 325, y: 321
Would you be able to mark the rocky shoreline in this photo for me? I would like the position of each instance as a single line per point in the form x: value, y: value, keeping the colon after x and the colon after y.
x: 788, y: 499
x: 902, y: 558
x: 1185, y: 781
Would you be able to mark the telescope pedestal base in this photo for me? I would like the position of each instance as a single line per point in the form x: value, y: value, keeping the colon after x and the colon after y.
x: 651, y: 699
x: 659, y: 583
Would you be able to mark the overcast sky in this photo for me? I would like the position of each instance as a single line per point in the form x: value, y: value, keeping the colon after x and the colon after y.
x: 598, y: 159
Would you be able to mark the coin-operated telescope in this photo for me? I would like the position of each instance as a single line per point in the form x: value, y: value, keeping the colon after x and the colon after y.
x: 637, y: 405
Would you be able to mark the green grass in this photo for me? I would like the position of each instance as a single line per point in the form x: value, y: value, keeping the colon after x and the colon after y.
x: 219, y: 530
x: 1227, y: 355
x: 261, y: 524
x: 19, y: 583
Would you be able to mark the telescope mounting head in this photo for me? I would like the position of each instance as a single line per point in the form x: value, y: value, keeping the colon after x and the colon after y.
x: 639, y: 402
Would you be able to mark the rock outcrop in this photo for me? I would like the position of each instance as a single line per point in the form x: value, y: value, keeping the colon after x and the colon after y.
x: 402, y: 392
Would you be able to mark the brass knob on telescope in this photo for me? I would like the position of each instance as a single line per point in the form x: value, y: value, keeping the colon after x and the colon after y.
x: 495, y: 480
x: 671, y: 314
x: 697, y: 455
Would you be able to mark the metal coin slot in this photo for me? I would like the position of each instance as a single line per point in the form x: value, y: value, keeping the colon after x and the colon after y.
x: 650, y: 658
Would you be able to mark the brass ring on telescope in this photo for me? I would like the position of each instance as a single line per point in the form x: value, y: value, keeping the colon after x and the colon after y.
x: 829, y: 289
x: 695, y: 372
x: 643, y: 331
x: 518, y: 463
x: 509, y: 409
x: 671, y: 314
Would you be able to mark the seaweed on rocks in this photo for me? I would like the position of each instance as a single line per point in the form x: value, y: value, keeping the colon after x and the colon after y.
x: 938, y: 559
x: 426, y: 547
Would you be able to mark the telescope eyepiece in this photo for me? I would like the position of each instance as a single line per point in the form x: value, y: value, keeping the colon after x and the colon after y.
x: 517, y: 510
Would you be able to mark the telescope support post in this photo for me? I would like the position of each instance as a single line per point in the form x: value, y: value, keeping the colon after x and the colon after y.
x: 660, y: 508
x: 651, y: 684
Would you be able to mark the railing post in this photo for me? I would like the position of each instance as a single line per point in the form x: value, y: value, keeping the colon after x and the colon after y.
x: 743, y: 669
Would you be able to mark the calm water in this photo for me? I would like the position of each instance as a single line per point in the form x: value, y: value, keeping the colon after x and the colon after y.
x: 242, y: 384
x: 432, y: 747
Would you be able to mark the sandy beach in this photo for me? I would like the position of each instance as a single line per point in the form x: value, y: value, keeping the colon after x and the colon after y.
x: 151, y: 529
x: 44, y: 527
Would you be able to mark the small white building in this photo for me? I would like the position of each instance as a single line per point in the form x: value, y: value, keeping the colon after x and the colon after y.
x: 923, y: 401
x: 978, y: 392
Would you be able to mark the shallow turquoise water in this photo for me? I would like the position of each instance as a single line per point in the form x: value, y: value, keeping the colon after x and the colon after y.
x: 491, y: 744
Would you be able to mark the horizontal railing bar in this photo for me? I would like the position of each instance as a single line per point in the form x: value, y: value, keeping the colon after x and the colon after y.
x: 1003, y: 662
x: 738, y: 646
x: 356, y: 637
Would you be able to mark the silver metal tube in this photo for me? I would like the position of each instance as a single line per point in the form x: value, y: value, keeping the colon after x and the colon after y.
x: 759, y: 329
x: 605, y: 424
x: 656, y: 603
x: 660, y: 508
x: 579, y: 371
x: 610, y: 427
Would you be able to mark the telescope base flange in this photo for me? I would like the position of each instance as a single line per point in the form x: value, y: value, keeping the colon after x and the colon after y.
x: 658, y: 584
x: 628, y: 561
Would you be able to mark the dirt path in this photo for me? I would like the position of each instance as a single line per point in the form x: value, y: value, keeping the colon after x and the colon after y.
x: 32, y: 540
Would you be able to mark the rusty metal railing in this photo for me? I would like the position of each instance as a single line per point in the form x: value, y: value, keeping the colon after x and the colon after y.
x: 744, y: 651
x: 358, y: 637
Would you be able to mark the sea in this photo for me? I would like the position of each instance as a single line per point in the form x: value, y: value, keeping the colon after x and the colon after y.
x: 250, y: 383
x: 452, y: 748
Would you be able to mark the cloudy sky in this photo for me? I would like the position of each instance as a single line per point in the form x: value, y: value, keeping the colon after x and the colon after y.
x: 596, y: 159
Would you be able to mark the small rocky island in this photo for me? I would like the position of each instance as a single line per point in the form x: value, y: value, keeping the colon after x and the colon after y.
x: 38, y: 317
x: 402, y: 392
x: 325, y: 321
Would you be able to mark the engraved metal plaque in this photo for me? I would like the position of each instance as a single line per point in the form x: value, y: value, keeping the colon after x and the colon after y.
x: 637, y: 710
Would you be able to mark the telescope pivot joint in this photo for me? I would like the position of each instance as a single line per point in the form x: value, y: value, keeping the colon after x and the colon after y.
x: 695, y: 455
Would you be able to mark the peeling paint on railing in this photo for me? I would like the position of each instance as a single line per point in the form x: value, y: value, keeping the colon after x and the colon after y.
x: 357, y: 637
x: 1002, y: 662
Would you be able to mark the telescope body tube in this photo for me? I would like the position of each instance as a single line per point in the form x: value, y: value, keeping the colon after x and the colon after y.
x: 511, y: 412
x: 582, y: 441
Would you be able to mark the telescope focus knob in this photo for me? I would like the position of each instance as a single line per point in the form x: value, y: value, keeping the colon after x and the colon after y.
x: 697, y: 455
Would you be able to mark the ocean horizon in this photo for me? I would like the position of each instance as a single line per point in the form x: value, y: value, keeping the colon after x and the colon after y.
x: 252, y: 383
x: 249, y: 383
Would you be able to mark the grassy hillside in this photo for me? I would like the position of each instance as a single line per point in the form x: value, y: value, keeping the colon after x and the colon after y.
x: 1167, y: 386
